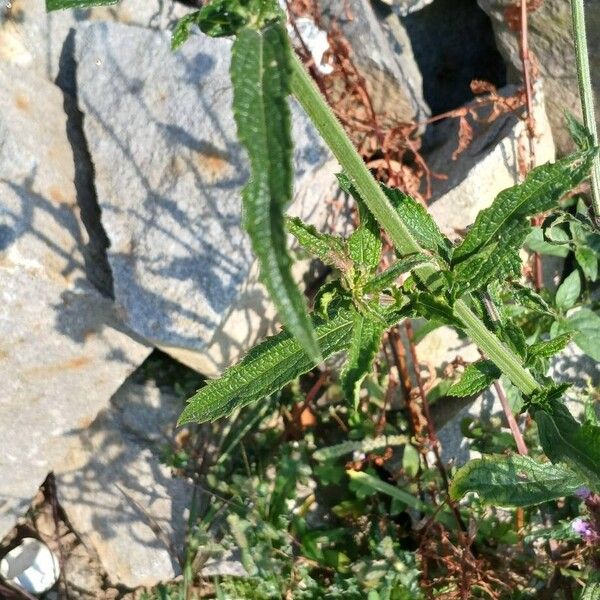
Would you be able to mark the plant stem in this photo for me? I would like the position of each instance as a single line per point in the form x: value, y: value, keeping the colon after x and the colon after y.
x: 334, y: 135
x: 586, y: 93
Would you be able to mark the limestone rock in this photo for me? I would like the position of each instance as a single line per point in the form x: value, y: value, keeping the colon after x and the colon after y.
x: 32, y: 38
x: 489, y: 165
x: 117, y: 494
x: 387, y: 63
x: 169, y: 171
x: 62, y: 355
x: 550, y: 39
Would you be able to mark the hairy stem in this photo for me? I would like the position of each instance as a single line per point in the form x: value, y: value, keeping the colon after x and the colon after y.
x: 586, y: 93
x: 334, y: 135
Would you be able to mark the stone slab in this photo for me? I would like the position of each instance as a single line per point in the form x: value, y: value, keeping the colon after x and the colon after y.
x: 550, y: 39
x: 117, y: 494
x: 169, y: 173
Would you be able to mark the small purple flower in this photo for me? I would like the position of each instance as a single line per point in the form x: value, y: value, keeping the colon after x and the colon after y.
x: 583, y: 492
x: 582, y: 527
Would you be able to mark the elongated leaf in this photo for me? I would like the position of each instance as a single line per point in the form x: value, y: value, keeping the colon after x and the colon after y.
x: 420, y: 223
x: 476, y: 378
x: 266, y: 369
x: 329, y: 248
x: 579, y: 132
x: 366, y: 339
x: 389, y: 276
x: 592, y: 587
x: 376, y: 485
x: 366, y: 446
x: 181, y: 33
x: 536, y: 243
x: 436, y: 309
x: 549, y: 348
x: 260, y: 75
x: 569, y: 291
x: 60, y: 4
x: 541, y: 190
x: 514, y: 481
x: 564, y: 440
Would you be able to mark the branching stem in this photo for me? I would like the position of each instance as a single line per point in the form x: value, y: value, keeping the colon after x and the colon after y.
x: 586, y: 93
x: 334, y: 135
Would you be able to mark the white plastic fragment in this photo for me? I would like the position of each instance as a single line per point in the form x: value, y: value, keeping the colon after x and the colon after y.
x: 315, y: 40
x: 31, y: 566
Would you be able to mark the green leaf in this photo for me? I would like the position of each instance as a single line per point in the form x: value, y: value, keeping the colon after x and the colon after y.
x: 366, y: 446
x: 586, y: 324
x: 260, y: 71
x: 536, y: 243
x: 265, y: 370
x: 374, y: 484
x: 366, y: 339
x: 549, y: 348
x: 579, y: 132
x: 181, y: 33
x: 565, y: 440
x: 365, y: 244
x: 588, y: 261
x: 592, y: 587
x: 512, y: 481
x: 227, y: 17
x: 506, y: 218
x: 329, y: 248
x: 476, y: 378
x: 433, y: 308
x: 385, y: 279
x: 411, y: 461
x: 569, y: 291
x: 420, y: 223
x: 60, y: 4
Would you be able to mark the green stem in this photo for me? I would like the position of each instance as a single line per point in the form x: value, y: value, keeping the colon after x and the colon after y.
x: 353, y: 165
x: 586, y: 93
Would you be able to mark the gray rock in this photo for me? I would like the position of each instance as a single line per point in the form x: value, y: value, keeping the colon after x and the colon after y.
x: 32, y: 38
x: 385, y: 60
x: 550, y: 39
x: 117, y: 494
x: 62, y: 354
x: 486, y: 167
x: 168, y: 175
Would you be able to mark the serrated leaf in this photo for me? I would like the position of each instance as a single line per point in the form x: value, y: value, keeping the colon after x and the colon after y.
x: 385, y: 279
x: 586, y: 325
x: 476, y: 378
x: 366, y: 340
x: 541, y: 190
x: 60, y: 4
x: 568, y: 291
x: 549, y: 348
x: 365, y: 243
x: 181, y: 32
x: 494, y: 262
x: 514, y: 481
x: 587, y: 259
x: 260, y: 71
x: 420, y: 223
x: 436, y: 309
x: 565, y: 440
x: 579, y: 132
x: 330, y: 249
x: 265, y: 370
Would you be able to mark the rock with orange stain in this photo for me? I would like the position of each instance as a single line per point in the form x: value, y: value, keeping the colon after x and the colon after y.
x: 168, y: 173
x: 62, y: 352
